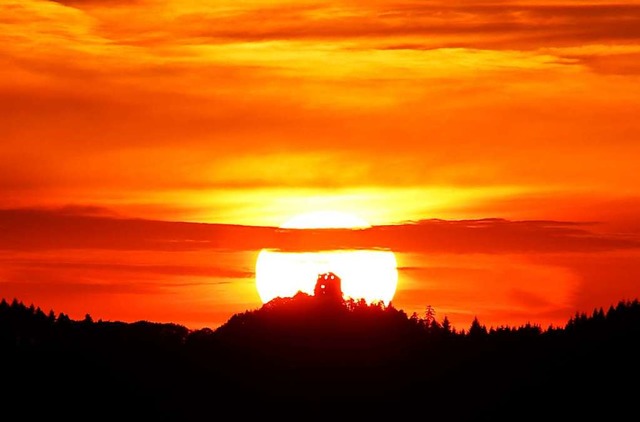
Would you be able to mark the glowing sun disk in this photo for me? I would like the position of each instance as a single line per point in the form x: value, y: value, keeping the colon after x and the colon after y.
x: 366, y: 274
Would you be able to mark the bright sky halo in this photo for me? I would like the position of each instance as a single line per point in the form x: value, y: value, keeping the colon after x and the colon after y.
x: 325, y: 220
x: 366, y: 274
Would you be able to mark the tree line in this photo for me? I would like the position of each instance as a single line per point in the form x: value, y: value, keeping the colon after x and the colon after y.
x: 307, y: 352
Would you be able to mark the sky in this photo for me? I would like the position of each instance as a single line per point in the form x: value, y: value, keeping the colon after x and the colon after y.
x: 150, y: 149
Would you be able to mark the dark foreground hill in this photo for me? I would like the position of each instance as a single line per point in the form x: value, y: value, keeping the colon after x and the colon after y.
x: 306, y: 358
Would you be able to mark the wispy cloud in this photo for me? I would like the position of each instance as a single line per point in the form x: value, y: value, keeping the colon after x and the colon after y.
x: 39, y: 229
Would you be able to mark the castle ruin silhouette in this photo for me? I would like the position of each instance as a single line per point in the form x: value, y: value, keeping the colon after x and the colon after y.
x: 328, y: 286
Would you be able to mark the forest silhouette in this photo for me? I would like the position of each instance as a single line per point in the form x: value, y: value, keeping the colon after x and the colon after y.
x: 310, y: 357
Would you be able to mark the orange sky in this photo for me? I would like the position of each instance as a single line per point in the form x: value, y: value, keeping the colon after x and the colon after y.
x: 251, y: 112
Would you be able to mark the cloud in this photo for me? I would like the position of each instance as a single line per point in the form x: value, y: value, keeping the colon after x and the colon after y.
x: 500, y: 236
x: 197, y: 94
x: 434, y: 24
x: 103, y: 3
x: 210, y: 272
x: 49, y: 229
x: 38, y: 229
x: 610, y: 63
x: 146, y: 103
x: 507, y: 25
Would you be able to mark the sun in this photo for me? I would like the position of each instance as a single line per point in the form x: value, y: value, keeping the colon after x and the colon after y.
x: 371, y: 275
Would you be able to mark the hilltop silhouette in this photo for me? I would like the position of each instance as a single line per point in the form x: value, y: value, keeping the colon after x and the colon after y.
x: 316, y: 356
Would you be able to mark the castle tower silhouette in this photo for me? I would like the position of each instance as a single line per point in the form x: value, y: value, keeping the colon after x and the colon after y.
x: 328, y: 286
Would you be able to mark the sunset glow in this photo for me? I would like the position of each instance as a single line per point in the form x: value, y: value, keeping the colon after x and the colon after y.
x: 485, y: 154
x: 325, y: 220
x: 366, y: 274
x: 369, y: 275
